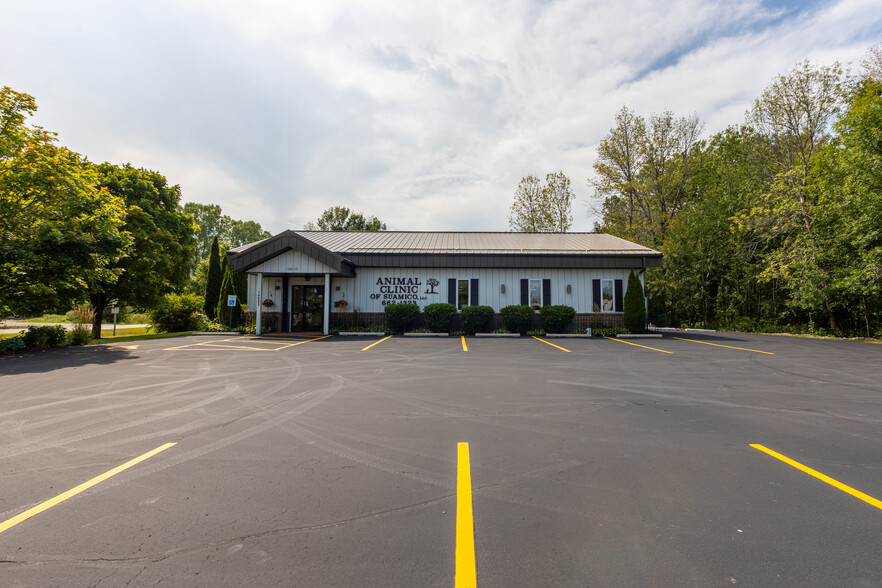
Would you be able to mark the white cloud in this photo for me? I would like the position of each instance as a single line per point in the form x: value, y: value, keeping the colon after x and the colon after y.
x: 424, y: 115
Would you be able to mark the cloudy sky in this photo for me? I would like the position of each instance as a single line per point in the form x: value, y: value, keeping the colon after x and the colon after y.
x: 426, y: 115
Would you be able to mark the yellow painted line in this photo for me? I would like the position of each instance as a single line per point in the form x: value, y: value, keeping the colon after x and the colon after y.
x: 552, y: 344
x: 836, y: 484
x: 376, y: 343
x: 726, y: 346
x: 636, y: 345
x: 8, y: 524
x: 301, y: 343
x: 124, y: 347
x: 464, y: 346
x: 466, y: 571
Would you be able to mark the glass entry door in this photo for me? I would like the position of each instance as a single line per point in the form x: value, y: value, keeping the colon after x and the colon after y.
x: 307, y: 308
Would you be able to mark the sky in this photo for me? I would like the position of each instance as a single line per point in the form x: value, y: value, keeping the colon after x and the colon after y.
x: 426, y: 115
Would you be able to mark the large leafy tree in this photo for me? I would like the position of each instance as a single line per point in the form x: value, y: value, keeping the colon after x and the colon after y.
x: 59, y: 231
x: 340, y: 218
x: 541, y: 208
x: 643, y: 174
x: 211, y: 222
x: 163, y: 243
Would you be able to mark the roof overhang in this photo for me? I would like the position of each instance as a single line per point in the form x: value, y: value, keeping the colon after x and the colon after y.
x: 244, y: 258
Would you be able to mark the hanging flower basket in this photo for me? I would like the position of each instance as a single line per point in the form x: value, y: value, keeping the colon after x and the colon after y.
x: 268, y: 303
x: 341, y: 304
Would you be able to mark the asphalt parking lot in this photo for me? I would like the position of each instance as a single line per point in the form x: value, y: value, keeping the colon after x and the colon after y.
x: 692, y: 460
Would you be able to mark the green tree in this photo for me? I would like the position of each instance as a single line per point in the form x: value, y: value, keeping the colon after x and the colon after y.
x: 211, y: 223
x: 160, y: 258
x: 795, y: 114
x: 226, y: 314
x: 213, y: 281
x: 541, y: 208
x: 634, y: 305
x: 340, y: 218
x: 58, y: 230
x: 643, y: 174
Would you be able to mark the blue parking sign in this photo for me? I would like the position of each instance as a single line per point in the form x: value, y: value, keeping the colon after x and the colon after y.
x: 231, y: 300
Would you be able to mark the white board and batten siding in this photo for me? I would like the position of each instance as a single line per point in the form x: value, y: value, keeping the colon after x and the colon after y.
x: 289, y: 262
x: 366, y: 292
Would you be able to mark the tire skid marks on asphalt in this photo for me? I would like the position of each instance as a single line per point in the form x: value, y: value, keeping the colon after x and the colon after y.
x: 210, y: 420
x: 308, y: 400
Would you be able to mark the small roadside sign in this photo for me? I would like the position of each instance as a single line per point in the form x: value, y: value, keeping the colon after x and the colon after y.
x: 231, y: 300
x: 114, y: 310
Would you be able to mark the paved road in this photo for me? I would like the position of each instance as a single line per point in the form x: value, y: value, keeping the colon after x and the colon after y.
x: 318, y: 463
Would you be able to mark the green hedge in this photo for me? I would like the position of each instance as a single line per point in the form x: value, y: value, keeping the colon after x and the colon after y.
x: 517, y: 318
x: 177, y: 312
x: 477, y: 319
x: 557, y: 317
x: 401, y: 317
x: 438, y: 316
x: 43, y: 337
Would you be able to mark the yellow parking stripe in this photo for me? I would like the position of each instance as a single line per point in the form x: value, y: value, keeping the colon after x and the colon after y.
x: 466, y: 570
x: 726, y: 346
x: 636, y: 345
x: 464, y: 346
x: 552, y: 344
x: 835, y: 483
x: 8, y: 524
x: 376, y: 343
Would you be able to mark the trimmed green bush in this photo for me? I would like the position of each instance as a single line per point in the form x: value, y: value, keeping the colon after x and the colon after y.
x: 557, y: 317
x: 177, y: 312
x: 438, y: 316
x: 517, y: 318
x: 477, y: 319
x: 401, y: 317
x: 43, y: 337
x: 635, y: 309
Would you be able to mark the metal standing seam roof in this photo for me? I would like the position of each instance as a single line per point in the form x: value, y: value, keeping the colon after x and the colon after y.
x: 416, y: 242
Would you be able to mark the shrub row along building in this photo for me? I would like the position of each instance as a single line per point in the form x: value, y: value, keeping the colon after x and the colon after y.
x: 319, y: 280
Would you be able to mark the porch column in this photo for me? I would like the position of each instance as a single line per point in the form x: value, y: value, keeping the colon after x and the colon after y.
x: 327, y: 304
x: 259, y: 301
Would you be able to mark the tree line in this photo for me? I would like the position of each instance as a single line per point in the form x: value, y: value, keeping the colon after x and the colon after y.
x: 773, y: 222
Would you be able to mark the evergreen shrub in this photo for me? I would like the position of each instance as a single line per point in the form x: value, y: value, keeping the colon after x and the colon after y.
x: 12, y: 344
x: 517, y: 318
x: 177, y: 312
x: 635, y: 308
x: 557, y: 317
x: 477, y: 319
x: 438, y: 316
x: 401, y: 317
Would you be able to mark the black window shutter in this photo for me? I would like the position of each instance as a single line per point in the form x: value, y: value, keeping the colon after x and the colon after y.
x: 619, y: 296
x: 474, y: 294
x: 598, y: 303
x: 546, y: 292
x: 525, y: 292
x: 451, y: 291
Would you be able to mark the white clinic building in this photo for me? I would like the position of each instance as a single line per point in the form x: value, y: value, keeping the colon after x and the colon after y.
x: 319, y: 280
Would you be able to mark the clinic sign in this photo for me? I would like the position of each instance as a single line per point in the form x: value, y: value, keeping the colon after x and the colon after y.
x: 403, y: 290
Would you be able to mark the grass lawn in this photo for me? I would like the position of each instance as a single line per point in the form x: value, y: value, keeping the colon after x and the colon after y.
x: 125, y: 336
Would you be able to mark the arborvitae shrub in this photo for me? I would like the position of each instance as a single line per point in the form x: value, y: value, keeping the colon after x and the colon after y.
x: 635, y: 308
